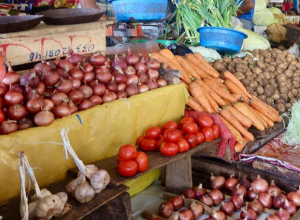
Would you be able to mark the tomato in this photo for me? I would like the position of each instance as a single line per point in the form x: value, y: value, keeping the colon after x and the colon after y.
x: 142, y: 161
x: 127, y: 152
x: 169, y: 149
x: 128, y: 168
x: 200, y: 137
x: 148, y: 144
x: 172, y: 135
x: 169, y: 124
x: 205, y: 121
x: 119, y: 159
x: 185, y: 120
x: 139, y: 140
x: 208, y: 134
x: 191, y: 139
x: 2, y: 116
x: 183, y: 145
x: 153, y: 132
x: 160, y: 140
x: 181, y: 133
x: 190, y: 127
x: 216, y: 130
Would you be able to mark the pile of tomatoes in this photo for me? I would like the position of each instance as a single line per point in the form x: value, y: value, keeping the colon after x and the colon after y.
x: 131, y: 161
x: 173, y: 138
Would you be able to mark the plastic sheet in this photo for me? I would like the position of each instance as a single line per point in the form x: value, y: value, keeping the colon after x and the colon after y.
x: 94, y: 134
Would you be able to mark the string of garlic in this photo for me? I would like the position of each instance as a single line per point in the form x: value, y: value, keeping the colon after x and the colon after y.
x: 24, y: 200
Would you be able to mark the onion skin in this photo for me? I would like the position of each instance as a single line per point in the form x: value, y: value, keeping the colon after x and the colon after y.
x: 166, y: 209
x: 279, y: 200
x: 218, y: 215
x: 199, y: 191
x: 265, y: 199
x: 273, y: 189
x: 256, y: 206
x: 295, y: 198
x: 231, y: 183
x: 25, y: 123
x: 44, y: 118
x: 177, y: 201
x: 245, y: 183
x: 248, y: 213
x: 207, y: 200
x: 217, y: 182
x: 227, y: 207
x: 260, y: 185
x: 272, y: 217
x: 283, y: 214
x: 238, y: 190
x: 8, y: 127
x: 238, y: 201
x: 189, y: 193
x: 197, y: 209
x: 16, y: 112
x: 217, y: 196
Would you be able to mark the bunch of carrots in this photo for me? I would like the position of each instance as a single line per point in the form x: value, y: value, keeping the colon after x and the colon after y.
x: 224, y: 95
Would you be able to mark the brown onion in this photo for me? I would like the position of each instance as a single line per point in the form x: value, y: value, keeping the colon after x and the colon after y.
x: 142, y: 77
x: 189, y: 193
x: 40, y: 68
x: 248, y: 213
x: 122, y: 94
x: 279, y: 200
x: 30, y: 78
x: 273, y: 189
x: 217, y: 196
x: 130, y: 71
x: 58, y: 98
x: 186, y: 214
x: 64, y: 85
x: 121, y: 87
x: 207, y: 200
x: 97, y: 100
x: 153, y: 64
x: 109, y: 96
x: 13, y: 97
x: 97, y: 59
x: 260, y: 185
x: 272, y: 217
x: 34, y: 105
x: 152, y: 73
x: 290, y: 207
x: 238, y: 190
x: 283, y: 214
x: 48, y: 104
x: 88, y: 77
x: 8, y: 127
x: 140, y: 67
x: 161, y: 83
x: 227, y: 207
x: 25, y: 123
x: 73, y: 108
x: 218, y: 215
x: 295, y: 198
x: 131, y: 58
x: 16, y: 112
x: 132, y: 79
x: 76, y: 96
x: 251, y: 194
x: 66, y: 65
x: 166, y: 209
x: 85, y: 104
x: 245, y: 183
x: 231, y: 182
x: 44, y: 118
x: 199, y: 191
x: 256, y: 206
x: 217, y: 182
x: 40, y: 88
x: 238, y: 201
x: 177, y: 202
x: 119, y: 61
x: 86, y: 90
x: 61, y: 110
x: 50, y: 78
x: 265, y: 199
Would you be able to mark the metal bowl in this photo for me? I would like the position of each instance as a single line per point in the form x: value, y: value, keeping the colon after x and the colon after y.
x: 19, y: 23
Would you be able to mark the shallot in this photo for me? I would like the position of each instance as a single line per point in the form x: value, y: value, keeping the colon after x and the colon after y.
x: 61, y: 110
x: 152, y: 84
x: 66, y: 65
x: 166, y: 209
x: 35, y: 104
x: 238, y: 201
x: 50, y: 78
x: 218, y: 215
x: 238, y: 190
x: 161, y: 83
x: 272, y: 217
x: 279, y: 200
x: 42, y: 67
x: 97, y: 59
x: 207, y: 200
x: 199, y: 191
x: 265, y: 199
x: 73, y: 108
x: 251, y: 194
x: 260, y: 185
x: 119, y: 61
x: 85, y: 104
x: 231, y: 182
x: 290, y: 207
x: 130, y: 71
x: 216, y: 195
x: 30, y: 78
x: 186, y: 214
x: 177, y: 202
x: 283, y: 214
x: 227, y: 207
x: 189, y: 193
x: 97, y: 100
x: 217, y: 181
x: 13, y: 97
x: 109, y: 96
x: 16, y: 112
x: 131, y: 58
x: 273, y: 189
x: 153, y: 64
x: 197, y: 209
x: 245, y: 183
x: 76, y: 96
x: 294, y: 197
x: 58, y: 98
x: 256, y: 206
x: 248, y: 213
x: 132, y: 89
x: 8, y: 127
x: 44, y: 118
x: 25, y: 123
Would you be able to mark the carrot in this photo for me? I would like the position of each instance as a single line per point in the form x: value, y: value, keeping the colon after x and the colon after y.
x: 187, y: 67
x: 245, y: 121
x: 199, y: 71
x: 199, y: 64
x: 236, y: 124
x: 229, y: 75
x: 237, y: 136
x: 243, y: 108
x: 239, y: 147
x: 257, y: 115
x: 194, y: 104
x: 221, y: 85
x: 278, y: 119
x: 214, y: 73
x: 265, y: 118
x: 237, y: 97
x: 220, y: 91
x: 233, y: 88
x: 198, y: 94
x: 265, y: 109
x: 212, y: 94
x: 212, y: 102
x: 219, y: 80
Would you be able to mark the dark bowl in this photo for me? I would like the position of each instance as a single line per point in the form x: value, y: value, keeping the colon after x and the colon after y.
x: 19, y: 23
x: 71, y: 16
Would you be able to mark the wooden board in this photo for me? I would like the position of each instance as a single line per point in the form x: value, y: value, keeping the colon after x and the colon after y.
x: 49, y: 41
x: 156, y: 160
x: 292, y: 33
x: 79, y: 211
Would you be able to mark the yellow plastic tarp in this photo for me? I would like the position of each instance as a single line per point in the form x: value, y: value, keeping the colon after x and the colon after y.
x: 94, y: 134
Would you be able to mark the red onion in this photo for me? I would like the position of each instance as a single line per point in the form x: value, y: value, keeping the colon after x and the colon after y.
x: 75, y: 58
x: 61, y: 110
x: 40, y: 68
x: 279, y: 200
x: 40, y: 88
x: 199, y: 191
x: 248, y: 213
x: 89, y: 67
x: 217, y: 181
x: 216, y: 195
x: 265, y: 199
x: 295, y: 198
x: 143, y: 59
x: 142, y: 77
x: 27, y: 93
x: 218, y: 215
x: 152, y: 84
x: 85, y: 104
x: 227, y: 207
x: 13, y: 97
x: 153, y: 64
x: 44, y: 118
x: 34, y: 105
x: 1, y: 103
x: 108, y: 63
x: 109, y: 96
x: 238, y: 190
x: 16, y: 112
x: 207, y: 200
x: 131, y: 58
x: 122, y: 87
x: 86, y: 90
x: 30, y: 79
x: 52, y: 64
x: 231, y: 182
x: 132, y: 89
x: 166, y: 209
x: 186, y: 214
x: 190, y: 193
x: 66, y: 65
x: 177, y: 202
x: 3, y: 90
x: 76, y: 83
x: 97, y: 100
x: 290, y: 207
x: 197, y: 209
x: 112, y: 86
x: 73, y: 108
x: 76, y: 96
x: 58, y: 98
x: 132, y: 79
x: 272, y: 217
x: 119, y: 62
x: 64, y: 85
x: 61, y: 73
x: 122, y: 94
x: 104, y: 76
x: 256, y: 206
x: 152, y: 73
x: 48, y: 104
x: 97, y: 59
x: 130, y: 71
x: 25, y: 123
x: 119, y: 75
x: 11, y: 77
x: 245, y: 183
x: 8, y: 127
x: 98, y: 89
x: 50, y: 78
x: 260, y: 185
x: 273, y: 189
x: 140, y: 67
x: 161, y: 83
x: 18, y: 88
x: 88, y: 77
x: 76, y: 73
x: 238, y: 201
x: 251, y: 194
x: 49, y: 92
x: 283, y: 214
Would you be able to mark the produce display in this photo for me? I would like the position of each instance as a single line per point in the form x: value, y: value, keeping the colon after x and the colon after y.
x: 222, y: 94
x: 271, y: 75
x: 59, y: 88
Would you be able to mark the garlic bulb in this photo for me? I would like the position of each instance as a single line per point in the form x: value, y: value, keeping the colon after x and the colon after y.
x: 90, y: 170
x: 64, y: 198
x: 31, y: 210
x: 47, y: 206
x: 99, y: 180
x: 74, y: 183
x: 44, y: 193
x: 84, y: 192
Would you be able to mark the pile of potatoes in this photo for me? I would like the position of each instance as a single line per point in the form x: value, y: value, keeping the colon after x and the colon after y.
x: 272, y: 75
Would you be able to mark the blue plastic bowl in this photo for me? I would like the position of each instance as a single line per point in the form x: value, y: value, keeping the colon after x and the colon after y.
x: 223, y: 40
x: 140, y: 10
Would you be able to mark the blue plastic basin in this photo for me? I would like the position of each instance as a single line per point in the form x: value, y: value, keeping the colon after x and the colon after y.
x: 140, y: 10
x: 223, y: 40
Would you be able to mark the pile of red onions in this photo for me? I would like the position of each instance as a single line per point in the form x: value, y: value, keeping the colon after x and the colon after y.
x: 59, y: 88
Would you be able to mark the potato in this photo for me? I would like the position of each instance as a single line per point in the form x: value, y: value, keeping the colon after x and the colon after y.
x: 272, y: 80
x: 279, y: 70
x: 231, y: 69
x: 293, y: 100
x: 290, y: 57
x: 265, y: 53
x: 267, y: 59
x: 269, y: 91
x: 271, y: 68
x: 274, y: 85
x: 298, y: 59
x: 284, y: 97
x: 284, y: 53
x: 288, y: 105
x: 241, y: 68
x: 275, y: 96
x: 232, y: 63
x: 292, y: 67
x: 294, y: 62
x: 261, y: 75
x: 280, y: 100
x: 253, y: 85
x: 239, y: 75
x: 219, y: 66
x: 280, y: 108
x: 266, y: 74
x: 273, y: 63
x: 261, y: 58
x: 297, y: 79
x: 290, y: 95
x: 289, y: 84
x: 294, y: 92
x: 259, y: 90
x: 283, y: 90
x: 262, y: 97
x: 253, y: 93
x: 249, y: 73
x: 297, y: 65
x: 281, y: 78
x: 273, y: 75
x: 251, y: 78
x: 295, y: 84
x: 251, y: 67
x: 270, y: 101
x: 280, y: 60
x: 227, y: 59
x: 256, y: 70
x: 288, y: 73
x: 276, y: 50
x: 237, y: 60
x: 245, y: 82
x: 273, y: 54
x: 265, y: 82
x: 260, y: 64
x: 282, y: 66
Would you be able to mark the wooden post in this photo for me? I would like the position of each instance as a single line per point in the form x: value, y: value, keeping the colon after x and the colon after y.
x: 179, y: 175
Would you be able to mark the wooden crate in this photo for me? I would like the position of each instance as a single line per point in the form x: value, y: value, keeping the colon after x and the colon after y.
x: 49, y: 41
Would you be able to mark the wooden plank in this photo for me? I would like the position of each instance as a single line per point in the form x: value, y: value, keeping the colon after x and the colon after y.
x: 296, y: 216
x: 179, y: 175
x: 79, y: 211
x: 156, y: 160
x: 212, y: 152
